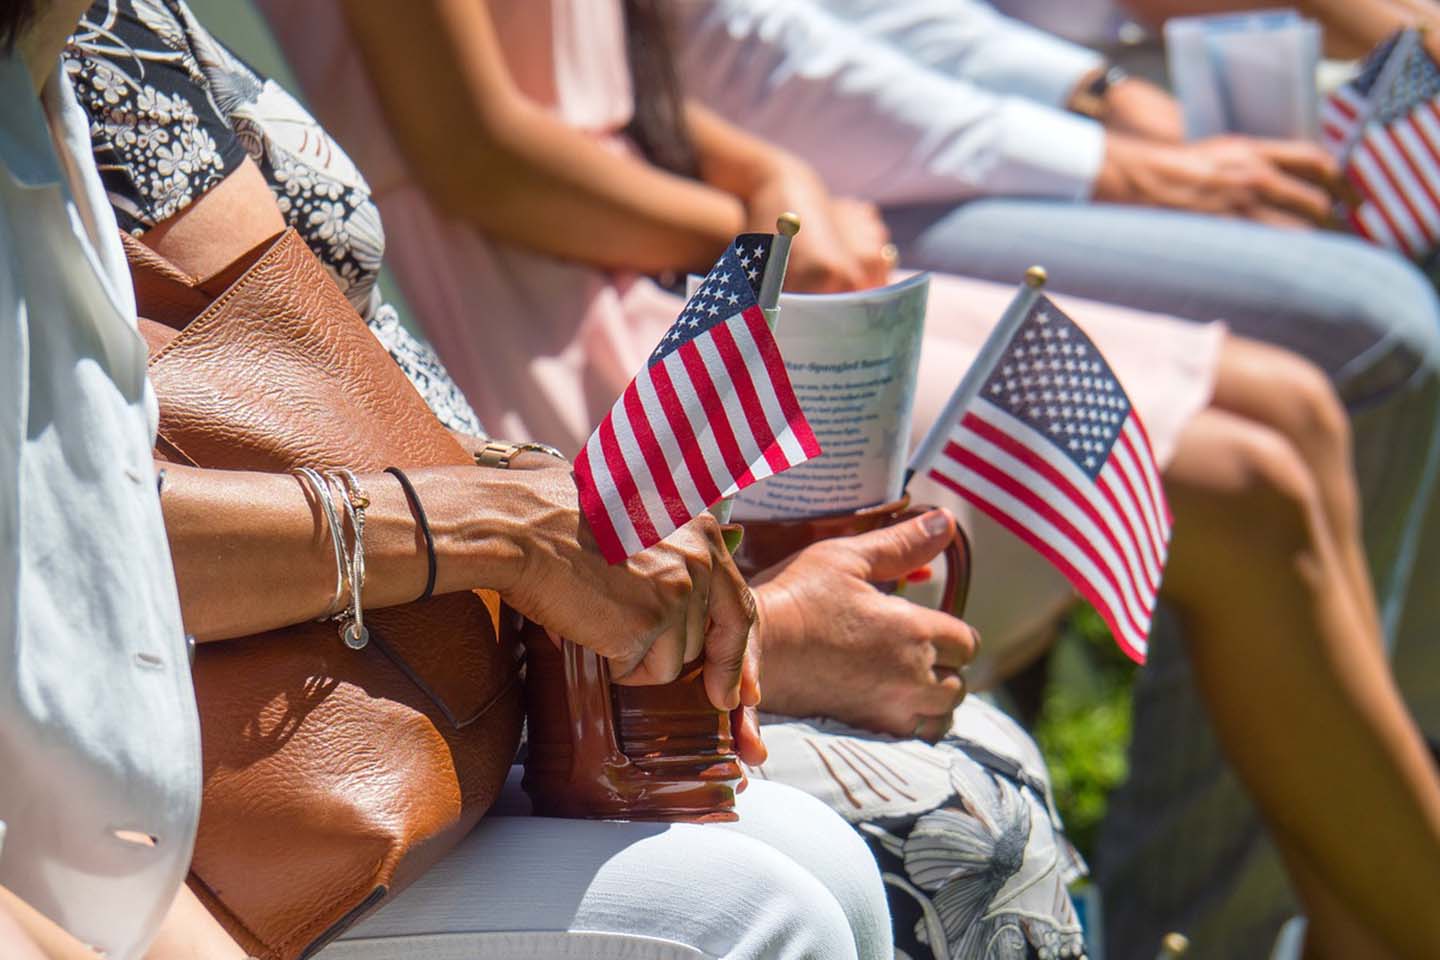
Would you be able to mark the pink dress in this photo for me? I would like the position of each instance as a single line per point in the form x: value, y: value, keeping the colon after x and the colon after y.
x: 542, y: 346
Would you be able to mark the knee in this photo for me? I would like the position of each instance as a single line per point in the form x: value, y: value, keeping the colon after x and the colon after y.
x: 1316, y: 419
x: 779, y: 905
x: 810, y: 834
x: 1272, y: 500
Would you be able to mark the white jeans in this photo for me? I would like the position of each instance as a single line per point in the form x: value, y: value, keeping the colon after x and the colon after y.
x: 790, y: 880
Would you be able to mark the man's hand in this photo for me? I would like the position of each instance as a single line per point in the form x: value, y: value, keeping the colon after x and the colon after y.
x: 834, y: 645
x: 1280, y: 182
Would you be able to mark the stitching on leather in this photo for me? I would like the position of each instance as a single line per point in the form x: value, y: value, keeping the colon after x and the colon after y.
x: 210, y: 314
x: 162, y: 435
x: 425, y: 688
x: 315, y: 928
x: 494, y: 701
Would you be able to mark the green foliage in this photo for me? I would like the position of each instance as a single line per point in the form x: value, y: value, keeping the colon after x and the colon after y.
x: 1084, y: 724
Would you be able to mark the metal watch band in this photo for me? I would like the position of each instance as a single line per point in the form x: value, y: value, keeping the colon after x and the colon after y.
x: 499, y: 453
x: 1101, y: 85
x: 1089, y: 101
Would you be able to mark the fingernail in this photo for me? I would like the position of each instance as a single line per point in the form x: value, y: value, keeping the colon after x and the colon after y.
x: 936, y: 523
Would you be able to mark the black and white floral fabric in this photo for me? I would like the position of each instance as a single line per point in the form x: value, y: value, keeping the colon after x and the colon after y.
x: 971, y: 850
x: 173, y: 112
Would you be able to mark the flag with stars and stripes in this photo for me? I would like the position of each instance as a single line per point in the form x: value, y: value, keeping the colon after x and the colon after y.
x: 1385, y: 128
x: 711, y: 413
x: 1053, y: 450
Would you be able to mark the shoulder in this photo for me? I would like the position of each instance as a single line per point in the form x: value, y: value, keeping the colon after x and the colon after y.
x: 139, y: 71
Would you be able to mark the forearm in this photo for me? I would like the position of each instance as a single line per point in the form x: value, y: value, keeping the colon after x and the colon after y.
x: 732, y: 159
x: 544, y: 186
x: 26, y: 934
x: 485, y: 153
x: 253, y: 552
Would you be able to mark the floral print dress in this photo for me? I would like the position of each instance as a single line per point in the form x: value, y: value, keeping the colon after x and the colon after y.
x: 173, y: 113
x: 970, y: 846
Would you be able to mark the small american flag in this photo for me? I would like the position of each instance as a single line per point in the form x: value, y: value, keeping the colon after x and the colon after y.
x: 711, y: 413
x: 1052, y: 449
x: 1384, y: 126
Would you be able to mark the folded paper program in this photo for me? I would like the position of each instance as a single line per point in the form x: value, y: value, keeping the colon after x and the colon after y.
x: 852, y: 359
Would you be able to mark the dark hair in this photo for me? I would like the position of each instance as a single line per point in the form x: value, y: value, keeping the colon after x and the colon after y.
x: 658, y: 126
x: 15, y: 16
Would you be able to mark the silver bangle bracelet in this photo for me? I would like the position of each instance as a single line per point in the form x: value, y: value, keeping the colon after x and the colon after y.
x: 355, y: 500
x: 321, y: 491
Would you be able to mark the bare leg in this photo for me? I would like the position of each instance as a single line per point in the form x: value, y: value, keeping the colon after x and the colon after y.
x: 1287, y: 393
x: 1333, y: 930
x: 1286, y: 659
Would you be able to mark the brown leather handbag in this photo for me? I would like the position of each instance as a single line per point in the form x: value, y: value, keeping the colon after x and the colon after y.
x: 332, y: 776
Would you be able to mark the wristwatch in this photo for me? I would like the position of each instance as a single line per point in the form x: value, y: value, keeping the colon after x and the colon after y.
x: 1089, y: 99
x: 499, y: 453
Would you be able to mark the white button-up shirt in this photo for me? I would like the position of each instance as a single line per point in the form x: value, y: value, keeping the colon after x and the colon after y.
x: 99, y: 736
x: 899, y: 101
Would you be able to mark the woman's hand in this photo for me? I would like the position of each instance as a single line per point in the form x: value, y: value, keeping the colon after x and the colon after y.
x: 836, y: 646
x: 666, y: 606
x: 822, y: 259
x: 867, y: 237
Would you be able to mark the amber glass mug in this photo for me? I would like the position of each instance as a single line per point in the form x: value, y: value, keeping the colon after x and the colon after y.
x: 599, y: 750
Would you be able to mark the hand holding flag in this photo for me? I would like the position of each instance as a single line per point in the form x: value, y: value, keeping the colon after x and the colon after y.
x: 712, y: 412
x: 1384, y: 127
x: 1041, y: 436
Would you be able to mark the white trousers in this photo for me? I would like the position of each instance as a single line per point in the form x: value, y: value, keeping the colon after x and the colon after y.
x: 789, y: 880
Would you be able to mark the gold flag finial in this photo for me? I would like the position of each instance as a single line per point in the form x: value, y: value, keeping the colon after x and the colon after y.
x: 788, y: 223
x: 1174, y: 945
x: 1036, y: 277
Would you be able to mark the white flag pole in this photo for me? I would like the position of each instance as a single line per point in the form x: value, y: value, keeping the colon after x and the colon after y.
x: 970, y: 384
x: 786, y: 226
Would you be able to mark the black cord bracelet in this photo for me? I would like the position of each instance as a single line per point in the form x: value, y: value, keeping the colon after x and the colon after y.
x: 414, y: 499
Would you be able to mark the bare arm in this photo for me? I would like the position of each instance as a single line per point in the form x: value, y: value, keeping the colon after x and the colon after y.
x: 490, y: 155
x: 237, y: 536
x: 27, y: 934
x: 830, y: 256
